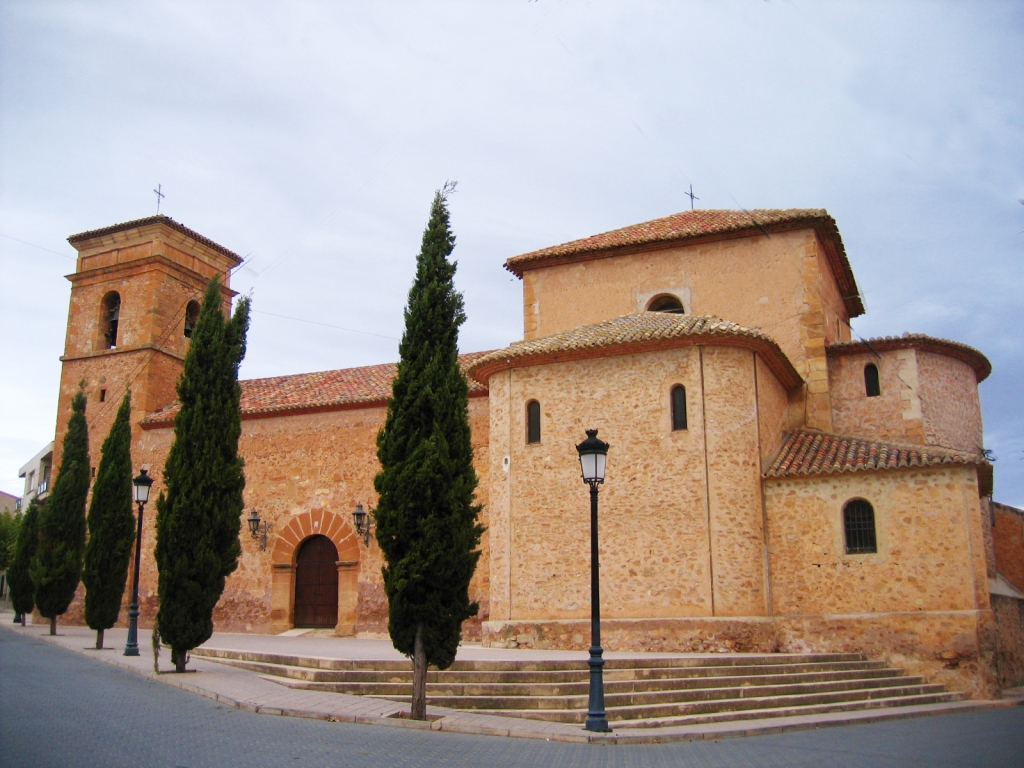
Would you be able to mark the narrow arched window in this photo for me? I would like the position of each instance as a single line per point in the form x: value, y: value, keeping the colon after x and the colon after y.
x: 678, y: 407
x: 871, y: 386
x: 110, y: 316
x: 533, y: 422
x: 191, y: 318
x: 859, y: 527
x: 665, y: 302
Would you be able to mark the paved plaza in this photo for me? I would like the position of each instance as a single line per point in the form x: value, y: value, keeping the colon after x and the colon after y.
x: 63, y: 708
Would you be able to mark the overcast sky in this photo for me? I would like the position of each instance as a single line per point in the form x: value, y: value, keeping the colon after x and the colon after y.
x: 311, y: 137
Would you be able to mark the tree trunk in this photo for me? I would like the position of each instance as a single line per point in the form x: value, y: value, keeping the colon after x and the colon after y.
x: 99, y: 639
x: 53, y: 626
x: 419, y: 677
x: 179, y: 658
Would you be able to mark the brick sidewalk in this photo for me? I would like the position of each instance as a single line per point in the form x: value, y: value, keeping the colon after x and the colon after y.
x: 252, y: 691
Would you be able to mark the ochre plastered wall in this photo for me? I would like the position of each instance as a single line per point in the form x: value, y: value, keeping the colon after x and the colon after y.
x: 681, y: 513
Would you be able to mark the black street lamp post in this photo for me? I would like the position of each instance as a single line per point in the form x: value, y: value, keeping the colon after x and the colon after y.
x: 141, y: 486
x: 593, y: 459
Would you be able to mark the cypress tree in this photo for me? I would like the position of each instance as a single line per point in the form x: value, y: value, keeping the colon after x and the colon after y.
x: 199, y: 512
x: 426, y: 520
x: 111, y: 527
x: 10, y: 522
x: 57, y: 566
x: 19, y: 576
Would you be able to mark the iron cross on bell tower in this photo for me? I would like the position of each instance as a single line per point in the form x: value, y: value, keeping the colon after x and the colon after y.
x: 159, y: 196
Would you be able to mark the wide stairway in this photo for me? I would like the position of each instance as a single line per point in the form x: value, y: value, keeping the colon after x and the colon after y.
x: 647, y: 692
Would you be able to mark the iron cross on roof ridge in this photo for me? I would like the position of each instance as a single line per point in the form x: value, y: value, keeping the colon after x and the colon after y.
x: 691, y: 196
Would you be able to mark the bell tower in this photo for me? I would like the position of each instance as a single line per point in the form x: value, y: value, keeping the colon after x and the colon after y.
x: 135, y: 296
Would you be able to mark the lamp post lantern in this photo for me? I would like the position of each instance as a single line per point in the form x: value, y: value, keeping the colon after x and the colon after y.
x: 593, y: 460
x: 140, y: 486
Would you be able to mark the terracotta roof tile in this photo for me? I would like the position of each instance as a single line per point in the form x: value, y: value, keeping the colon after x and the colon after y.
x: 806, y: 452
x: 149, y: 221
x: 705, y: 224
x: 640, y: 331
x: 981, y: 365
x: 320, y: 391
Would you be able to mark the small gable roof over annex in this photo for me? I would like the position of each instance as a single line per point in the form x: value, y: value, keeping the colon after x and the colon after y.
x: 981, y: 365
x: 704, y: 225
x: 315, y: 392
x: 636, y: 332
x: 167, y: 221
x: 807, y: 452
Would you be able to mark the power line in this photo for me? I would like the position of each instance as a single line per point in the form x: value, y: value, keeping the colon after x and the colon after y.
x: 325, y: 325
x: 33, y: 245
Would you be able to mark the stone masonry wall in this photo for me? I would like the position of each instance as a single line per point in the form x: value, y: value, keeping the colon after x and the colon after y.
x: 951, y: 406
x: 922, y: 595
x: 298, y: 464
x: 1010, y: 644
x: 1008, y: 543
x: 930, y: 544
x: 755, y: 281
x: 662, y: 534
x: 894, y: 415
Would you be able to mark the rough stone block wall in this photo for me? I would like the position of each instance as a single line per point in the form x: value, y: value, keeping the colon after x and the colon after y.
x: 894, y: 415
x: 1008, y: 543
x: 952, y: 649
x: 1009, y: 613
x: 930, y: 544
x: 693, y: 635
x: 755, y: 281
x: 951, y: 406
x: 734, y: 482
x: 774, y: 418
x: 657, y: 517
x: 653, y: 516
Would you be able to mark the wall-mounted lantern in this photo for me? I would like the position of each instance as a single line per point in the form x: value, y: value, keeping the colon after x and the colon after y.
x: 364, y: 523
x: 259, y: 529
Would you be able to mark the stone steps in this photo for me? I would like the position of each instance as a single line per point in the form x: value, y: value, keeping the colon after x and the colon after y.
x: 316, y: 673
x: 639, y: 692
x: 575, y: 711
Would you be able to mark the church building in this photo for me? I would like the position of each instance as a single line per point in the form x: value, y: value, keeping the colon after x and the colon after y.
x: 774, y: 484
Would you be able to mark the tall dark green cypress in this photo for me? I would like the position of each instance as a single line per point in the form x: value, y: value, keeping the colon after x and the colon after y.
x: 19, y: 576
x: 111, y: 527
x: 199, y: 514
x: 426, y: 517
x: 57, y: 566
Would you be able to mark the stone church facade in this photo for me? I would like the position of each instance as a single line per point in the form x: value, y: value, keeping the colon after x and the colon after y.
x: 773, y: 484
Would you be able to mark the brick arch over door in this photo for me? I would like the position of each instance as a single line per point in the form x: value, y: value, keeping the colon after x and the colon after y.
x: 286, y: 545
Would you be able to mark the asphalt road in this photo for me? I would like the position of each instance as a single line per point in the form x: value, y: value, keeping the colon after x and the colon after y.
x: 60, y: 709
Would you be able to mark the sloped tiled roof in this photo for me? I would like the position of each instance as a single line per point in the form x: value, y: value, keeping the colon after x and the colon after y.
x: 981, y: 365
x: 806, y: 452
x: 320, y: 391
x: 636, y: 332
x: 704, y: 225
x: 149, y: 221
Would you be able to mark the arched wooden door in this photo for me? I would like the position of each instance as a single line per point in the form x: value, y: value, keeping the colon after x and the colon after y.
x: 316, y: 584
